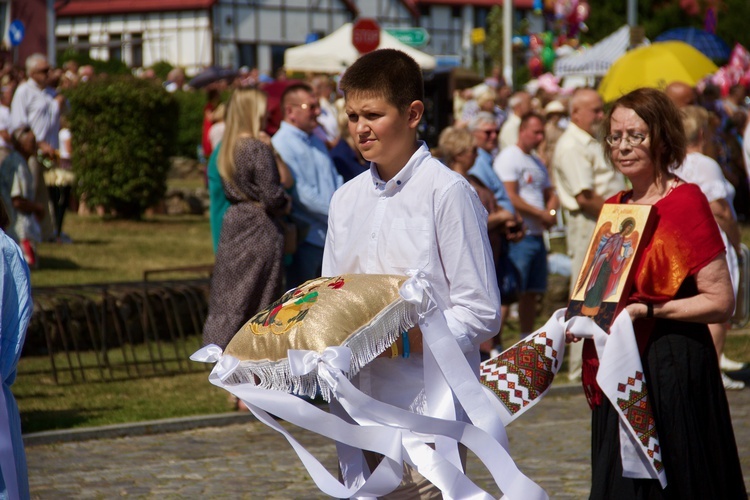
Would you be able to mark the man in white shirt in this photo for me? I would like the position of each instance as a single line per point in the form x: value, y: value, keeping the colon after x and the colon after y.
x: 583, y: 180
x: 520, y: 104
x: 34, y: 107
x: 527, y: 183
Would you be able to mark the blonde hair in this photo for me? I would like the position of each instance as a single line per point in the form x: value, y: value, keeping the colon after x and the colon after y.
x: 454, y: 141
x: 485, y: 97
x: 695, y: 122
x: 245, y: 115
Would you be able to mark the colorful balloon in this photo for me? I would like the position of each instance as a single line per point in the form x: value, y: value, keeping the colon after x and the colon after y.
x: 536, y: 66
x: 548, y: 57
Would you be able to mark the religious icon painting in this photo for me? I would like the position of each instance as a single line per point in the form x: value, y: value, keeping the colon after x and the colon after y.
x: 607, y: 273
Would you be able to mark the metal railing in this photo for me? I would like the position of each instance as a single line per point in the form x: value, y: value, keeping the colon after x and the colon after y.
x: 118, y: 331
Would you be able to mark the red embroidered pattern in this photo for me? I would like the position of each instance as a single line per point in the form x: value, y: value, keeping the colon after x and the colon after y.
x: 522, y: 373
x: 637, y: 410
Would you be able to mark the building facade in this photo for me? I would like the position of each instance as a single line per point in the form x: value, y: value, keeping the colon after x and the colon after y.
x: 195, y: 34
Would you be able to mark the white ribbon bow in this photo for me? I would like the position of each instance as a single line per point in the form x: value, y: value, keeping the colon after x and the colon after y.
x: 302, y: 362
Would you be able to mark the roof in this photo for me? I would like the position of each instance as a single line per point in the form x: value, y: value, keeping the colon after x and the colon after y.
x: 97, y: 7
x: 518, y: 4
x: 65, y: 8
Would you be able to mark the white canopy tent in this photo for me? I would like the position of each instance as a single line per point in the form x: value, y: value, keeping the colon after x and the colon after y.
x: 335, y: 52
x: 595, y: 61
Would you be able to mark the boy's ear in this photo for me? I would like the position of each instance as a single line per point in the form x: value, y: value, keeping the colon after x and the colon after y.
x: 415, y: 112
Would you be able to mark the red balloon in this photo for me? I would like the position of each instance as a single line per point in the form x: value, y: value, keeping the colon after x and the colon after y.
x: 536, y: 66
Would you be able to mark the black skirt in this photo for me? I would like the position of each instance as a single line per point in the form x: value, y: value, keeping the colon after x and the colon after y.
x: 687, y: 396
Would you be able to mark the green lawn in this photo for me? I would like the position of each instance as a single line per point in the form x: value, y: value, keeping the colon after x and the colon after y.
x: 116, y: 251
x: 105, y: 251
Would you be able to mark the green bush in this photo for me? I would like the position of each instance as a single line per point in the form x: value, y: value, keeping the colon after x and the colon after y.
x: 162, y: 69
x: 123, y: 132
x: 189, y: 122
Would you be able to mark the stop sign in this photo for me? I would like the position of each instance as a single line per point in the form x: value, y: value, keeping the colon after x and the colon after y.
x: 365, y: 35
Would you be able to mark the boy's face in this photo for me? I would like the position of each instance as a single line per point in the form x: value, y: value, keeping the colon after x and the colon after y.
x: 383, y: 134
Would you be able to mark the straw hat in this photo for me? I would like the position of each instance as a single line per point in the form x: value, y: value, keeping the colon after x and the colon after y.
x: 554, y: 107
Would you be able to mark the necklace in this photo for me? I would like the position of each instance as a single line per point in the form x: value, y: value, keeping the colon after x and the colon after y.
x: 671, y: 184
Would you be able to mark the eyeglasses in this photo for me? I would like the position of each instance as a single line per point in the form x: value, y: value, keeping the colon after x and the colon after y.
x: 632, y: 140
x: 306, y: 106
x: 489, y: 133
x: 43, y: 70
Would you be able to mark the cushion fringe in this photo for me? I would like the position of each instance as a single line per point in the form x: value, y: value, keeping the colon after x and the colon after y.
x: 367, y: 343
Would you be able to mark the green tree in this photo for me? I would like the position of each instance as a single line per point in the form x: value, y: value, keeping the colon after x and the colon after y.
x: 123, y: 132
x: 657, y: 16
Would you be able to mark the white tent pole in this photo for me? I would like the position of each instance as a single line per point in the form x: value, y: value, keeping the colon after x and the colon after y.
x: 507, y: 46
x: 632, y: 13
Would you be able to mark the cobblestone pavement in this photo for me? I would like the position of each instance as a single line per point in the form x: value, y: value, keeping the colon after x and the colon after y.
x: 550, y: 444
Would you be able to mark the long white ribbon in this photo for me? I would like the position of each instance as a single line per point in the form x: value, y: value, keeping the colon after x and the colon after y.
x: 386, y: 441
x: 450, y: 369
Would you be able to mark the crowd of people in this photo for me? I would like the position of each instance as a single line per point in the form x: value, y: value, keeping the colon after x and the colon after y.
x: 535, y: 160
x: 346, y: 172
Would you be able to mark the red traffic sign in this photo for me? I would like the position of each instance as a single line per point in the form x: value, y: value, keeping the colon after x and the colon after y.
x: 365, y: 35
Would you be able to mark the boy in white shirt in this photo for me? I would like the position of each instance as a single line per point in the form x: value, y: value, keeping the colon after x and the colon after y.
x: 409, y: 212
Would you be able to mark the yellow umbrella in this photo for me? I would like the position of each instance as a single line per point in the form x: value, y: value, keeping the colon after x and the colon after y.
x: 656, y: 65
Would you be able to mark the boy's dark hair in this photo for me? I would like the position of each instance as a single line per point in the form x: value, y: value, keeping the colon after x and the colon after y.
x: 389, y: 73
x: 296, y: 87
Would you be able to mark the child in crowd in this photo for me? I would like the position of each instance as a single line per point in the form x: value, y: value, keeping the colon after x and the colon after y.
x: 409, y: 212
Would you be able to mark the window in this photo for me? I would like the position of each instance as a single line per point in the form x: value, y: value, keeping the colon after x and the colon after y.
x: 115, y: 47
x: 82, y: 45
x: 136, y: 50
x: 248, y: 53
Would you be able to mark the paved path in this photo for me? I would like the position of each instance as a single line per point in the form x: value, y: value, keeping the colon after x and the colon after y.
x: 550, y: 444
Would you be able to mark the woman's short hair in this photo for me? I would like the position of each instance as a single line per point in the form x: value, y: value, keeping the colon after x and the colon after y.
x: 454, y: 141
x: 667, y: 137
x: 694, y: 121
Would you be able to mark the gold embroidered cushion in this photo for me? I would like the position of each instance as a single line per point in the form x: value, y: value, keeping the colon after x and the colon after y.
x: 361, y: 311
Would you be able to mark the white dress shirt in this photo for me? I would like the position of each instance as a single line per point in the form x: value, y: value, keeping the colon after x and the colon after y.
x: 427, y: 218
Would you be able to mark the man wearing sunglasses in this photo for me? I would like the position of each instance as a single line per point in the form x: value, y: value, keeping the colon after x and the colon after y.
x: 36, y: 108
x: 315, y: 178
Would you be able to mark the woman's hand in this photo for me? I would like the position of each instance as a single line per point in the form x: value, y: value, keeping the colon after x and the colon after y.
x: 569, y: 337
x: 637, y: 311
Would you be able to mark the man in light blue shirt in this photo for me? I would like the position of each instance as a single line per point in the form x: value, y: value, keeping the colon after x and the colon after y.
x: 485, y: 130
x: 315, y: 178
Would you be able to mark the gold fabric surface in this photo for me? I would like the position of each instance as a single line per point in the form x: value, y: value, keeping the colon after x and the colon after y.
x: 319, y: 313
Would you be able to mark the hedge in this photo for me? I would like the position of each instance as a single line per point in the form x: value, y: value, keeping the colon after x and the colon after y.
x: 124, y: 131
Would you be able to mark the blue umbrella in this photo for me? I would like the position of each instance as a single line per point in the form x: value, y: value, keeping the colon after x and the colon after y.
x: 210, y: 75
x: 711, y: 45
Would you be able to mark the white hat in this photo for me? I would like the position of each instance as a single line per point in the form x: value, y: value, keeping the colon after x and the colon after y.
x: 554, y: 107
